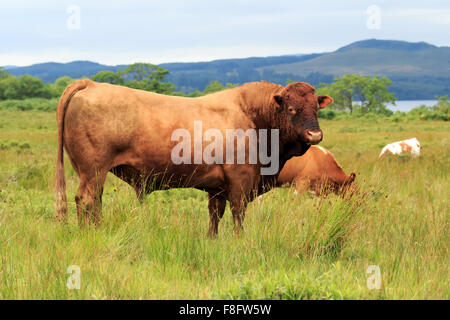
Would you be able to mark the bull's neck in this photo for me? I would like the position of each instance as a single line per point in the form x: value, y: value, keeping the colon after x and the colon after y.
x: 258, y: 104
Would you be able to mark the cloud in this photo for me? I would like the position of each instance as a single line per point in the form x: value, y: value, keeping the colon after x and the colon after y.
x: 429, y: 16
x: 115, y: 31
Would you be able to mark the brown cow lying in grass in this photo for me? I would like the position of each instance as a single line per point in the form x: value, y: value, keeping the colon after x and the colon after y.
x: 316, y: 170
x: 108, y: 128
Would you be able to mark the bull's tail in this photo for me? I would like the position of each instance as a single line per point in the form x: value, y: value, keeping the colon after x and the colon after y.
x: 60, y: 183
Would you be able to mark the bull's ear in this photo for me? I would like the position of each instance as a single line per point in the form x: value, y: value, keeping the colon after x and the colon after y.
x: 278, y: 99
x: 324, y: 101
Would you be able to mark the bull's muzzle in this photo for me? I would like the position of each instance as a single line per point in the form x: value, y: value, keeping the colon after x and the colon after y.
x: 313, y: 136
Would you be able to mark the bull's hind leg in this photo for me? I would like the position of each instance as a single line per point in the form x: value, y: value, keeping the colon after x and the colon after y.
x: 89, y: 197
x: 216, y: 206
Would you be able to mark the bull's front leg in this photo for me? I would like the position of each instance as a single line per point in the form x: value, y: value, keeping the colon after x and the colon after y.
x: 238, y: 204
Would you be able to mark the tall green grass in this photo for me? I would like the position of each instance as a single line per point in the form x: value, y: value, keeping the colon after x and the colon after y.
x: 292, y: 247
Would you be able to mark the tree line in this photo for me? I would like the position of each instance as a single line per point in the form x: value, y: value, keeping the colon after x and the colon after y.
x: 372, y: 93
x: 143, y: 76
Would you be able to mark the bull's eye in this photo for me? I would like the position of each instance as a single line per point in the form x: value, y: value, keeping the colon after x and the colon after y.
x: 292, y: 110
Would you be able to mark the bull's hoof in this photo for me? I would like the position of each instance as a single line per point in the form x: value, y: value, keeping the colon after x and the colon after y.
x: 61, y: 218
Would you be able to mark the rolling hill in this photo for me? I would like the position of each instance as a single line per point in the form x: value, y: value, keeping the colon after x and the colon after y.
x: 418, y: 70
x: 50, y: 71
x: 376, y: 60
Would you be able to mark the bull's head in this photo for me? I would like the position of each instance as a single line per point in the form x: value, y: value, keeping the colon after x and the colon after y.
x: 299, y: 106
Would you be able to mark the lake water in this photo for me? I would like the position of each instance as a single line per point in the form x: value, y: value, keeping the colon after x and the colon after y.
x: 406, y: 105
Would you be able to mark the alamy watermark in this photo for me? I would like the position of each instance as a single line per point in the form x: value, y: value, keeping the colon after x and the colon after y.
x: 213, y: 153
x: 374, y: 279
x: 74, y: 281
x: 73, y: 21
x: 373, y: 21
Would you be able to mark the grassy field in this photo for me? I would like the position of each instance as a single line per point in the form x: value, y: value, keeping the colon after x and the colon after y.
x: 293, y: 247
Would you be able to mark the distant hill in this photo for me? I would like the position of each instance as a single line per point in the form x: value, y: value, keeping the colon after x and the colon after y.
x: 188, y: 77
x: 388, y: 45
x: 418, y: 70
x: 50, y: 71
x: 376, y: 57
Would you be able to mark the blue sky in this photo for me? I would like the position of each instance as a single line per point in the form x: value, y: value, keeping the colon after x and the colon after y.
x: 120, y: 32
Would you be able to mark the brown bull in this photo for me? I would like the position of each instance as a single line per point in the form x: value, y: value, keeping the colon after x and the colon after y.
x: 317, y: 170
x: 107, y: 128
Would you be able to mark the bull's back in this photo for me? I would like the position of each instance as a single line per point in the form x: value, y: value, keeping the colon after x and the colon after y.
x: 112, y: 126
x: 118, y: 115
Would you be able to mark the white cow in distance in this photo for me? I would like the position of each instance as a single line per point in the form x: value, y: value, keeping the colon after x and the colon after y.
x: 411, y: 145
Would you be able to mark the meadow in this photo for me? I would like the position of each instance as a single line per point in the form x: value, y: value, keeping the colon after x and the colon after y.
x: 292, y: 247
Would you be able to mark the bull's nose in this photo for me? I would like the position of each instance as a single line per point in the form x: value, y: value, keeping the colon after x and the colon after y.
x: 314, y: 136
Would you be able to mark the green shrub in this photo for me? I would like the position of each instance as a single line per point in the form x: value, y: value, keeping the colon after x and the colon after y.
x: 30, y: 176
x: 327, y: 114
x: 440, y: 111
x: 39, y: 104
